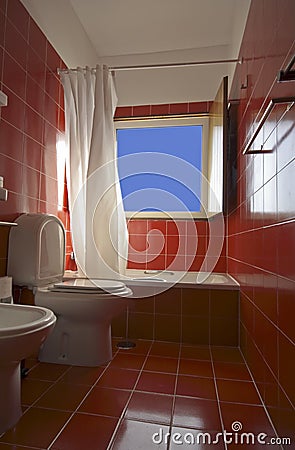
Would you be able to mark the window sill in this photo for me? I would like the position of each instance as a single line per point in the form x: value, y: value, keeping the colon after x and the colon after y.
x: 169, y: 215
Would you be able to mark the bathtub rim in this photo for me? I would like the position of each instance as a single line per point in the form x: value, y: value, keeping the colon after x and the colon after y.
x: 136, y: 277
x: 185, y: 281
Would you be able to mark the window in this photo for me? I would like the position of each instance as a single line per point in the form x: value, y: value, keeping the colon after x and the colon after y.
x: 161, y: 163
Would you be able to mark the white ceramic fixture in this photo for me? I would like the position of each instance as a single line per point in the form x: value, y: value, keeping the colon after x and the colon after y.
x: 84, y: 308
x: 22, y: 330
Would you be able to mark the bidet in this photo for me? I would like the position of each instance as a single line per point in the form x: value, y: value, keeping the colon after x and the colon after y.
x: 22, y: 330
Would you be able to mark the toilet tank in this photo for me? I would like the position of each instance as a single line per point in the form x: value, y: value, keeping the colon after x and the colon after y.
x: 36, y: 250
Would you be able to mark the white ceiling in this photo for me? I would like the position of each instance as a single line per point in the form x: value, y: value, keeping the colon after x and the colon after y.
x: 135, y: 32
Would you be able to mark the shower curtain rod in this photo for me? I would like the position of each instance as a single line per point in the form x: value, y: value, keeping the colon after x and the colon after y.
x: 165, y: 66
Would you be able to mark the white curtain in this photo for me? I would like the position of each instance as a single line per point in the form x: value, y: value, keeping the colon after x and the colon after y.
x: 98, y: 225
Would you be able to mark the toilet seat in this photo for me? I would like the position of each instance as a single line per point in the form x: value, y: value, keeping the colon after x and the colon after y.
x: 90, y: 286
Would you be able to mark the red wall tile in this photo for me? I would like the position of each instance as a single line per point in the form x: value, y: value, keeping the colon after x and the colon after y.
x: 198, y: 107
x: 37, y: 40
x: 142, y: 110
x: 124, y: 111
x: 159, y: 110
x: 179, y: 108
x: 15, y: 44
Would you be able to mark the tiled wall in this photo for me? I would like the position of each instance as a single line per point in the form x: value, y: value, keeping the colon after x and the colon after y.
x: 31, y: 123
x: 162, y: 110
x: 177, y: 240
x: 261, y: 231
x: 178, y: 237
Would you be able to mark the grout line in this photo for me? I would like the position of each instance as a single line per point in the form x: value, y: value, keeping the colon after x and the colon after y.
x: 76, y: 410
x: 121, y: 418
x: 259, y: 269
x: 52, y: 383
x: 266, y: 317
x: 217, y: 394
x: 261, y: 399
x: 174, y: 394
x: 145, y: 356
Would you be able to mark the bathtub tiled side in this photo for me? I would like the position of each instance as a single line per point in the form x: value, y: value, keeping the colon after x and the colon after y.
x: 185, y: 315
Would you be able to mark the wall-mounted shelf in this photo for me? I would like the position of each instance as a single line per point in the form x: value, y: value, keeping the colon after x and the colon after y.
x: 8, y: 224
x: 289, y: 73
x: 289, y: 102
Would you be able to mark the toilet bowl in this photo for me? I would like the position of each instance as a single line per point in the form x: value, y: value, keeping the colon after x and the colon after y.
x: 22, y: 331
x: 84, y: 308
x: 82, y: 335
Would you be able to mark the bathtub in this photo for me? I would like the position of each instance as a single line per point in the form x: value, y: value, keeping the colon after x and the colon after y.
x: 170, y: 306
x: 165, y: 278
x: 192, y: 308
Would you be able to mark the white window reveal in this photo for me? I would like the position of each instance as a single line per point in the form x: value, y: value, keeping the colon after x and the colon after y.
x: 162, y: 167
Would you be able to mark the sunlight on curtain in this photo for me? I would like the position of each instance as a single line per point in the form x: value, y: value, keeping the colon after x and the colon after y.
x: 98, y: 224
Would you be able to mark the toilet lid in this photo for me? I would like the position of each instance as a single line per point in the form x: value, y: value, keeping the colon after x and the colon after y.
x: 95, y: 285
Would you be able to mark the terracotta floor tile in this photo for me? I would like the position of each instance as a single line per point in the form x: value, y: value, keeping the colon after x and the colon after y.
x: 187, y: 439
x: 63, y: 396
x: 196, y: 387
x: 152, y: 369
x: 284, y: 417
x: 195, y: 352
x: 48, y: 371
x: 139, y: 436
x: 115, y: 377
x: 160, y: 364
x: 86, y: 431
x: 105, y: 401
x: 195, y: 367
x: 82, y: 375
x: 165, y: 349
x: 162, y: 383
x: 227, y: 354
x: 231, y: 371
x: 127, y: 361
x: 150, y: 407
x: 253, y: 418
x: 196, y: 413
x: 36, y: 428
x: 238, y: 392
x: 32, y: 389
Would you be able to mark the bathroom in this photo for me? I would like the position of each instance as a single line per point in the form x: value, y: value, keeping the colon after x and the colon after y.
x: 258, y: 252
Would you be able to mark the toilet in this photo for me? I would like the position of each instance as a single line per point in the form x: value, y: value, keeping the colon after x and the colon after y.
x: 84, y: 307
